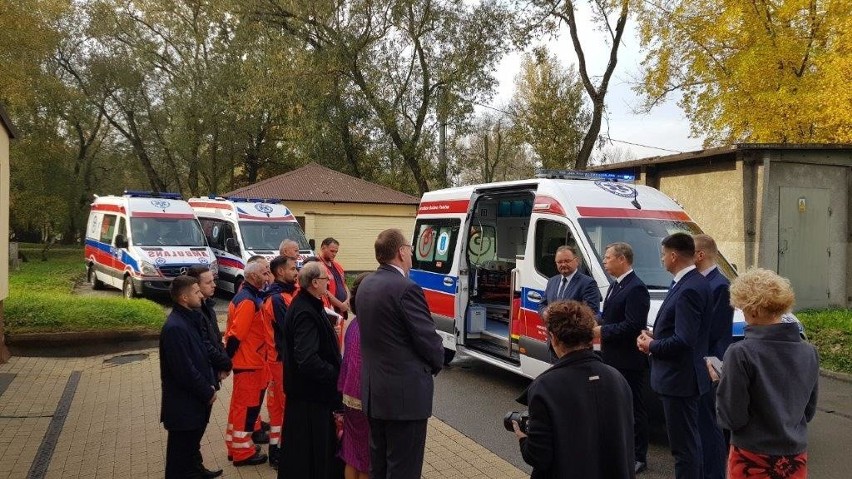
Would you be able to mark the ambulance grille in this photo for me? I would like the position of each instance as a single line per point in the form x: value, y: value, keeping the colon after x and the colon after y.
x: 174, y: 271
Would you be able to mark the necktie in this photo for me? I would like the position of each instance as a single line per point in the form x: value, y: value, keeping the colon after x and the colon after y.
x: 612, y: 287
x: 562, y: 286
x: 671, y: 285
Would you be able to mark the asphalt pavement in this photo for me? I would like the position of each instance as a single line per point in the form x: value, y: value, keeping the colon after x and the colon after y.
x: 472, y: 397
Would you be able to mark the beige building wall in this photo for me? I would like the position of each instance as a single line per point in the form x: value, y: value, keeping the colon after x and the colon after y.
x: 4, y: 214
x: 355, y: 226
x: 713, y: 198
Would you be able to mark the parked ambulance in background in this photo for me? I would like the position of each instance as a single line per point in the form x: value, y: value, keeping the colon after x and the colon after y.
x: 483, y: 255
x: 239, y: 228
x: 140, y: 241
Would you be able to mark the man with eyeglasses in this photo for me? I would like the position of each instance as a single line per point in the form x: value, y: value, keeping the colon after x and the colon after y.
x: 400, y: 354
x: 571, y: 284
x: 311, y: 359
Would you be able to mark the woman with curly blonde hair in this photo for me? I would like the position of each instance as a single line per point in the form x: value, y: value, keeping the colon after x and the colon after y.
x: 768, y: 388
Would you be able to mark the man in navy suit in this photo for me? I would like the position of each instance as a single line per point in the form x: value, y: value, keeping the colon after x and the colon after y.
x: 677, y: 348
x: 400, y: 353
x: 188, y: 382
x: 570, y: 283
x: 721, y: 322
x: 625, y: 314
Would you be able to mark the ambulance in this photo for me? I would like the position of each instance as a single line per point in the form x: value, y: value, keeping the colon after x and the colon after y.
x: 239, y: 228
x: 140, y: 241
x: 483, y: 255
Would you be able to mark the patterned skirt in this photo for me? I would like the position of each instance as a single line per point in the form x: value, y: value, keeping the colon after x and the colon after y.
x: 355, y: 444
x: 744, y: 464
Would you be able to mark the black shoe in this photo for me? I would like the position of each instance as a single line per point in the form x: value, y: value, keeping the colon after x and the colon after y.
x: 639, y: 466
x: 256, y: 450
x: 260, y: 437
x: 258, y: 458
x: 273, y: 463
x: 208, y: 474
x: 274, y: 451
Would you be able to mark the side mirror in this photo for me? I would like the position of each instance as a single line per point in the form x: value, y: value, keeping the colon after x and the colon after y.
x: 313, y: 244
x: 231, y: 246
x: 120, y: 241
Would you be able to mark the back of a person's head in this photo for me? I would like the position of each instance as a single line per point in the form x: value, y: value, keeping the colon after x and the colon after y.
x: 681, y: 243
x: 572, y: 322
x: 388, y: 244
x: 354, y: 291
x: 180, y: 285
x: 762, y: 293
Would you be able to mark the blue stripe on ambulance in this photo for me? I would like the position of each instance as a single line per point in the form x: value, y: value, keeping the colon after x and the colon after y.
x: 433, y: 281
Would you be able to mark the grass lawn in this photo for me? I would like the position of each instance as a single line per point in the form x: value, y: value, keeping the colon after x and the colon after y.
x: 830, y: 330
x: 40, y: 299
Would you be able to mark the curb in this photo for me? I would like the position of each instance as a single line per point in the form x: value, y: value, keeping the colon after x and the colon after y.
x: 836, y: 375
x: 80, y: 343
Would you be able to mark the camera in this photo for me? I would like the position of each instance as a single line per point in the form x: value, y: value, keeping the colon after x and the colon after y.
x: 522, y: 418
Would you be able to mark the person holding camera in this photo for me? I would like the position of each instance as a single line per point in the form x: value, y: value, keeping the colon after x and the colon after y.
x: 580, y: 422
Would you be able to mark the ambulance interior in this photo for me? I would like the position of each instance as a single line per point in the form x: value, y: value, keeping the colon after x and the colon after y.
x: 497, y: 235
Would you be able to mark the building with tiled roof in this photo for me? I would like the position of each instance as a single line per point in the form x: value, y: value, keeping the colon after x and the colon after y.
x: 329, y: 203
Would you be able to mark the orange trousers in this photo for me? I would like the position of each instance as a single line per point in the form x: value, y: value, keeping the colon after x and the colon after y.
x: 246, y: 397
x: 275, y: 399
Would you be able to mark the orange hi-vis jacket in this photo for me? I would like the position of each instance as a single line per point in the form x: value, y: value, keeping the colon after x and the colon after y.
x: 278, y: 299
x: 248, y: 337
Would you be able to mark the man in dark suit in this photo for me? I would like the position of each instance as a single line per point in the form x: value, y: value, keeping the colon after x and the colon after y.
x: 188, y: 382
x: 570, y: 283
x: 712, y: 440
x: 625, y: 314
x: 401, y: 352
x: 678, y: 372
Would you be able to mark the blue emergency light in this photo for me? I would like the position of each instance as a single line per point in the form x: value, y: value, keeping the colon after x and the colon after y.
x: 583, y: 175
x: 153, y: 194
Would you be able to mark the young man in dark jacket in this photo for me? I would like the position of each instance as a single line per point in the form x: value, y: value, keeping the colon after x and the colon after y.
x: 210, y: 332
x: 188, y: 382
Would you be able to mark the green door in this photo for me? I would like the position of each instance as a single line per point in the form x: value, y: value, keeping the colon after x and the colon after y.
x: 803, y: 247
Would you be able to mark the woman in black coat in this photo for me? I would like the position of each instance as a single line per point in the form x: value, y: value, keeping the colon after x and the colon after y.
x: 580, y: 410
x: 311, y: 367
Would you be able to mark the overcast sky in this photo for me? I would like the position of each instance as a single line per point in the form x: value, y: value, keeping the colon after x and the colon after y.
x: 665, y: 127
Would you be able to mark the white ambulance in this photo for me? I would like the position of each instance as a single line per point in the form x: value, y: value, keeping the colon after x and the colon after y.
x: 483, y: 255
x: 140, y: 241
x: 239, y: 228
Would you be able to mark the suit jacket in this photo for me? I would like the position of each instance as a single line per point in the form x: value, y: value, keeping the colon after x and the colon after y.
x: 212, y: 338
x: 187, y: 377
x: 581, y: 421
x: 311, y: 353
x: 681, y: 333
x: 400, y: 349
x: 581, y: 288
x: 723, y: 314
x: 625, y: 315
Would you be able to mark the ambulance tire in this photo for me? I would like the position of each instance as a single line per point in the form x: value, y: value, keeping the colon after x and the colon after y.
x: 449, y: 354
x: 127, y: 288
x: 92, y: 278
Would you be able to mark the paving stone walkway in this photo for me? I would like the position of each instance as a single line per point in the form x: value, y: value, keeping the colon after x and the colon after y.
x: 111, y: 428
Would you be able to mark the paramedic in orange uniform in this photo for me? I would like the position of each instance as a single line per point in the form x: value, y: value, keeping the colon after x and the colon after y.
x: 279, y: 295
x: 247, y: 342
x: 338, y: 293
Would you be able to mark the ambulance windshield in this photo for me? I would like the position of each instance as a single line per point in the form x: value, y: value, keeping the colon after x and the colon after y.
x: 166, y: 232
x: 645, y: 236
x: 268, y: 235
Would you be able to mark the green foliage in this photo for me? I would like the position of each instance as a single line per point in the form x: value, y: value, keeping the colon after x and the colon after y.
x: 40, y: 300
x: 549, y: 109
x: 830, y: 330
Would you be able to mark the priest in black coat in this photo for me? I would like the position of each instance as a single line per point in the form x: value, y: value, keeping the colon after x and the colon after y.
x: 580, y: 410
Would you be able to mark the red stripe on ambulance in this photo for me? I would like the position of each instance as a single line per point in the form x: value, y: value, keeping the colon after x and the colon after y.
x: 603, y: 212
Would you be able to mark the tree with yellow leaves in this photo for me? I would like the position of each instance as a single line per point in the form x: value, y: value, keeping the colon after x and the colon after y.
x: 775, y: 71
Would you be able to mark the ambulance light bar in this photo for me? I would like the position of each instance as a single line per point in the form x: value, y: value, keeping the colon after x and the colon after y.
x: 152, y: 194
x: 583, y: 175
x: 237, y: 199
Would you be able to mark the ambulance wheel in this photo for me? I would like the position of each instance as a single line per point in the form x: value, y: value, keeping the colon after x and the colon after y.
x: 449, y: 354
x: 128, y: 289
x: 92, y: 278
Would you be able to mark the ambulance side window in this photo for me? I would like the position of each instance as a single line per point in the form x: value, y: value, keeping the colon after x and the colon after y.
x: 435, y: 244
x: 213, y: 231
x: 550, y: 235
x: 107, y: 228
x: 122, y: 227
